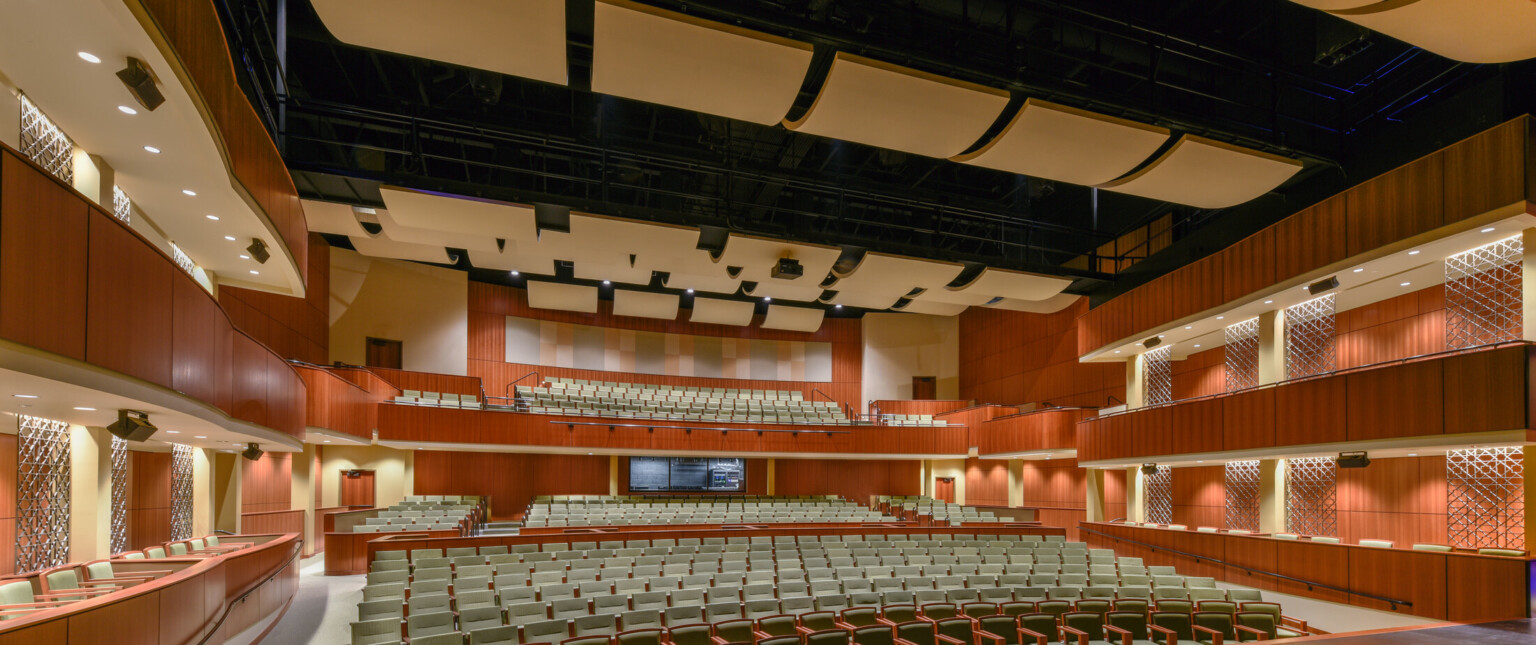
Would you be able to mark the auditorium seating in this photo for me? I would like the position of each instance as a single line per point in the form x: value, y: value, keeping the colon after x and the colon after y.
x: 422, y: 513
x: 600, y: 510
x: 940, y: 511
x: 779, y: 586
x: 578, y: 397
x: 438, y: 399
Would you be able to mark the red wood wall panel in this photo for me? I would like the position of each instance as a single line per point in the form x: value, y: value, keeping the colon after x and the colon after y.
x: 344, y: 400
x: 1397, y: 205
x: 149, y: 500
x: 1012, y: 357
x: 292, y: 327
x: 42, y: 260
x: 129, y: 303
x: 1412, y: 324
x: 1402, y: 499
x: 7, y: 504
x: 1200, y: 374
x: 930, y: 407
x: 1311, y: 238
x: 510, y: 479
x: 1053, y: 483
x: 854, y: 479
x: 1199, y: 496
x: 265, y: 484
x: 1484, y: 172
x: 986, y: 482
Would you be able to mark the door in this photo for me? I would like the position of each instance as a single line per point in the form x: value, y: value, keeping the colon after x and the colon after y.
x: 357, y: 488
x: 383, y: 353
x: 944, y: 488
x: 924, y: 388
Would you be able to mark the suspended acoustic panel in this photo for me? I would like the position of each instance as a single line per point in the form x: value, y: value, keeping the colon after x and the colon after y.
x: 641, y: 304
x: 465, y: 216
x: 758, y: 255
x: 920, y: 306
x: 330, y: 217
x: 383, y: 247
x: 894, y: 107
x: 793, y: 318
x: 642, y: 246
x: 1067, y: 144
x: 391, y: 228
x: 515, y: 257
x: 523, y: 38
x: 784, y: 290
x: 721, y: 312
x: 999, y: 283
x: 1207, y: 174
x: 1472, y: 31
x: 1048, y: 306
x: 879, y: 280
x: 1332, y: 5
x: 712, y: 284
x: 658, y: 56
x: 626, y: 274
x: 565, y: 297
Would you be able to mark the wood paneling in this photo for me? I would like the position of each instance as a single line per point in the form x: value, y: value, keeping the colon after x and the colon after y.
x: 1396, y: 401
x: 1200, y: 374
x: 1486, y: 171
x: 272, y: 522
x: 1248, y: 265
x: 344, y: 400
x: 130, y: 304
x: 1412, y: 324
x: 1053, y: 483
x: 292, y: 327
x: 7, y: 504
x: 43, y: 258
x: 149, y: 499
x: 928, y: 406
x: 1485, y: 391
x: 986, y: 482
x: 1248, y: 420
x: 510, y: 479
x: 1049, y: 429
x: 1401, y: 499
x: 1200, y: 496
x: 1311, y: 238
x: 265, y: 485
x: 1011, y: 357
x: 1396, y: 205
x: 854, y: 479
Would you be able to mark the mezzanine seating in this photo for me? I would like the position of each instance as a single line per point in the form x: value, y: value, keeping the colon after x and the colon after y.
x: 422, y: 513
x: 940, y: 511
x: 438, y: 399
x: 577, y: 397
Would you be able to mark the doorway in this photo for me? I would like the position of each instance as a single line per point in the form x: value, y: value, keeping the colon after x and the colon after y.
x: 924, y: 388
x: 357, y: 488
x: 383, y: 352
x: 944, y: 489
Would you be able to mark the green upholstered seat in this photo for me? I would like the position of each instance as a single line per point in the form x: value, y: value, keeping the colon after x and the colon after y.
x: 1038, y: 628
x: 1120, y: 624
x: 506, y: 635
x: 1082, y: 624
x: 376, y: 632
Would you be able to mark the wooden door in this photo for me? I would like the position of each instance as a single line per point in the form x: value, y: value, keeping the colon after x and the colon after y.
x: 357, y: 488
x: 924, y: 388
x: 944, y: 488
x: 384, y: 353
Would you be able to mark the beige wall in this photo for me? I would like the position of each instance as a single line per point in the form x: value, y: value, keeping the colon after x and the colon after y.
x: 392, y: 472
x: 90, y: 482
x: 426, y: 308
x: 899, y: 346
x: 946, y: 468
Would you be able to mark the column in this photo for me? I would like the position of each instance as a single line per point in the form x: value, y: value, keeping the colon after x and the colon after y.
x: 1271, y: 495
x: 301, y: 492
x: 1134, y: 481
x: 1528, y: 291
x: 1529, y: 465
x: 202, y: 492
x: 90, y: 492
x: 613, y: 474
x: 1134, y: 369
x: 226, y: 492
x: 772, y: 479
x: 1094, y: 485
x: 1271, y: 347
x: 1015, y: 483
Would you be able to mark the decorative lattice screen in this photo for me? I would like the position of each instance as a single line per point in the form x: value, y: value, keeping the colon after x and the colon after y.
x: 1309, y: 338
x: 1311, y: 496
x: 119, y: 538
x: 1242, y: 351
x: 1157, y: 490
x: 1157, y: 376
x: 181, y: 492
x: 1482, y: 294
x: 1243, y: 495
x: 42, y: 493
x: 122, y: 207
x: 1486, y: 497
x: 45, y: 144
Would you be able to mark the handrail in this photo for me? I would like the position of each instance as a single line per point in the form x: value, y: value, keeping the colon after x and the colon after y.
x: 1314, y: 377
x: 649, y: 426
x: 817, y: 390
x: 506, y: 391
x: 1309, y: 583
x: 298, y: 548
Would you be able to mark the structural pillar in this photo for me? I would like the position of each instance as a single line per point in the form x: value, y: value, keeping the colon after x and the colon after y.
x: 1272, y: 495
x: 1271, y: 347
x: 90, y: 492
x: 1015, y: 483
x: 1134, y: 369
x: 1134, y: 482
x: 202, y: 492
x: 1094, y: 484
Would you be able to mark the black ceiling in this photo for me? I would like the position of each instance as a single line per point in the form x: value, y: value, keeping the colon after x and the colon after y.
x: 1243, y: 71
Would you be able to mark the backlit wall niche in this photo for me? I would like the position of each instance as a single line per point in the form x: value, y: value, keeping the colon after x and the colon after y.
x: 1309, y: 338
x: 1311, y: 496
x: 1482, y: 294
x: 1485, y: 497
x: 1157, y: 382
x: 1242, y: 355
x: 1158, y: 491
x: 42, y: 493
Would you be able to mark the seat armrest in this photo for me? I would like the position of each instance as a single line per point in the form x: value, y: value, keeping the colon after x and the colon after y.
x: 882, y: 620
x: 96, y: 582
x: 1125, y: 636
x: 1039, y: 638
x: 940, y: 638
x: 1244, y: 629
x: 1296, y: 624
x: 903, y: 641
x: 842, y: 625
x: 1216, y: 637
x: 1082, y: 636
x: 803, y: 631
x: 74, y: 592
x: 1170, y: 637
x: 989, y: 636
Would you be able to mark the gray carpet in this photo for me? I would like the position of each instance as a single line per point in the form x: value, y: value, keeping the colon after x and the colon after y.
x: 323, y: 609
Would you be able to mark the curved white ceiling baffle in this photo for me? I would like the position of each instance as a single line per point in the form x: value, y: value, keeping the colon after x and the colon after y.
x: 520, y: 257
x: 654, y: 55
x: 894, y: 107
x: 454, y: 214
x: 758, y: 255
x: 931, y: 308
x: 383, y: 247
x: 879, y: 280
x: 565, y: 297
x: 1334, y: 5
x: 721, y: 312
x: 333, y: 218
x: 1472, y: 31
x: 1050, y: 305
x: 999, y: 283
x: 391, y: 228
x: 641, y: 304
x: 1067, y: 144
x: 1207, y: 174
x: 609, y: 248
x: 701, y: 282
x: 804, y: 319
x: 519, y: 37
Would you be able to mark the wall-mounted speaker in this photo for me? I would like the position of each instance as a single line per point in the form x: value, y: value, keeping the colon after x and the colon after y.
x: 1151, y: 342
x: 132, y: 425
x: 1149, y: 469
x: 1322, y: 286
x: 1353, y: 460
x: 140, y: 82
x: 252, y: 451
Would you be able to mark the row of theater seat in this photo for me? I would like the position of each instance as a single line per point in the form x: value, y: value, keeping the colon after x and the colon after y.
x: 1324, y: 539
x: 69, y: 583
x: 646, y: 511
x: 630, y: 400
x: 422, y: 513
x: 438, y: 399
x: 938, y: 509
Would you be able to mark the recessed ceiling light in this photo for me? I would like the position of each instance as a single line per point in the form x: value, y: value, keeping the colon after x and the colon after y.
x: 188, y: 193
x: 255, y: 272
x: 1220, y: 317
x: 1199, y: 462
x: 126, y: 110
x: 200, y: 437
x: 173, y: 432
x: 837, y: 306
x: 89, y: 57
x: 229, y: 237
x: 1405, y: 284
x: 213, y: 217
x: 515, y: 274
x: 86, y: 409
x: 326, y: 441
x: 244, y: 256
x: 1117, y: 351
x: 1189, y: 326
x: 1488, y: 230
x: 1413, y: 454
x: 152, y: 150
x: 25, y: 396
x: 606, y: 283
x: 1196, y: 345
x: 688, y: 291
x: 1159, y: 335
x: 1413, y: 252
x: 1359, y: 270
x: 767, y: 299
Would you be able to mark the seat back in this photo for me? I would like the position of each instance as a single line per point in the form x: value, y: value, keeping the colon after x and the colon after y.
x: 1177, y: 622
x: 1086, y: 622
x: 1220, y: 622
x: 1038, y: 625
x: 899, y: 613
x: 1134, y: 622
x: 779, y: 625
x: 958, y: 628
x: 939, y: 610
x: 1001, y: 625
x: 1260, y: 621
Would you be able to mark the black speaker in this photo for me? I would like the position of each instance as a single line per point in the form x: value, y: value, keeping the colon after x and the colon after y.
x: 132, y: 425
x: 141, y: 83
x: 258, y: 250
x: 252, y: 451
x: 1149, y: 469
x: 1323, y: 285
x: 1353, y: 460
x: 1152, y: 342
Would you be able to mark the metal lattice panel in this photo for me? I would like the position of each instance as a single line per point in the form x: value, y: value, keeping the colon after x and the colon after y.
x: 1242, y: 350
x: 42, y: 493
x: 122, y: 207
x: 1485, y: 498
x: 1311, y: 496
x: 183, y: 260
x: 1157, y: 490
x: 119, y: 538
x: 45, y: 144
x: 1482, y: 294
x: 181, y: 492
x: 1309, y: 338
x: 1157, y: 376
x: 1243, y: 495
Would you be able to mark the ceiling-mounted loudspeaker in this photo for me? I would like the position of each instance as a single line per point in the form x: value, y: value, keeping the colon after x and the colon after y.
x: 1149, y: 469
x: 787, y: 269
x: 132, y: 425
x: 1151, y: 342
x: 1353, y: 460
x: 141, y: 84
x: 1323, y: 285
x: 252, y: 451
x: 258, y: 250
